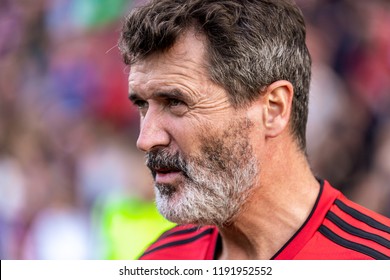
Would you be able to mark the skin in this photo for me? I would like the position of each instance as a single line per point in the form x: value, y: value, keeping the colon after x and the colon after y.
x: 286, y: 190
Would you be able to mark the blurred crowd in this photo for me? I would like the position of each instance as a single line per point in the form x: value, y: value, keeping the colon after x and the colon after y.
x: 72, y: 184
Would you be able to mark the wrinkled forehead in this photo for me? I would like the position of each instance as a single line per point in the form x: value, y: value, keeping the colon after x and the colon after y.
x: 188, y: 54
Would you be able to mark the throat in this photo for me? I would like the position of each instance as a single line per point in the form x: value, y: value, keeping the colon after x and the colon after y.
x: 259, y: 232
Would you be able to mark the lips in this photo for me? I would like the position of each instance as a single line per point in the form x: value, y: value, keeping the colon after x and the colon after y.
x: 165, y: 170
x: 166, y: 176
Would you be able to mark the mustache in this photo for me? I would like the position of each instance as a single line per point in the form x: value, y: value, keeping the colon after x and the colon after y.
x: 163, y: 159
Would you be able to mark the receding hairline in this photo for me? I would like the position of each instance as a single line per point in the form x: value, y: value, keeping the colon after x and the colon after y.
x: 191, y: 29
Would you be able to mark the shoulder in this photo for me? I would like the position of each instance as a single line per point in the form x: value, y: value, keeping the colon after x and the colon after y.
x: 357, y: 229
x: 184, y: 242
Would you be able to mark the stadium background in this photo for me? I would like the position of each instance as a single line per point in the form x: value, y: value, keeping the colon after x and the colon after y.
x: 72, y: 185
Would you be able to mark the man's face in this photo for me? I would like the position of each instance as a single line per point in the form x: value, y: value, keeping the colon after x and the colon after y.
x: 197, y: 145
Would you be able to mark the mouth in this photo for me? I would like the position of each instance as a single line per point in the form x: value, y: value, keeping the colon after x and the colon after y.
x: 166, y: 175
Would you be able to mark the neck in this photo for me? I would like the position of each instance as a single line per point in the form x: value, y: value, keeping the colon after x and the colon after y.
x: 279, y: 206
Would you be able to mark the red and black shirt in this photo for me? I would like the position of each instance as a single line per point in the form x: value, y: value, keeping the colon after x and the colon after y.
x: 336, y: 228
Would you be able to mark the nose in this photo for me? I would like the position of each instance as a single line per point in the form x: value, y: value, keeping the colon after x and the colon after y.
x: 152, y: 132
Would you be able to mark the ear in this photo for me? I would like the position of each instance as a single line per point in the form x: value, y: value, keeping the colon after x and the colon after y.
x: 277, y: 102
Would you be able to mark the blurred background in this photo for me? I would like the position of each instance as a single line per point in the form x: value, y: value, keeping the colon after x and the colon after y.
x: 72, y: 184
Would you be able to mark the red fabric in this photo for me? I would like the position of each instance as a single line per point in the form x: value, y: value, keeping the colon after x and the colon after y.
x: 174, y: 244
x: 307, y: 231
x: 325, y: 235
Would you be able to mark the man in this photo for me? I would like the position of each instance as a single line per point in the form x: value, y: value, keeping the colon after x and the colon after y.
x: 222, y: 89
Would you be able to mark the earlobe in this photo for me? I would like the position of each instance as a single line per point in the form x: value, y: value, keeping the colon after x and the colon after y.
x: 277, y: 107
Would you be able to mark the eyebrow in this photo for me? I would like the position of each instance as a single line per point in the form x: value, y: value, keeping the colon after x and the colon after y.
x: 166, y: 94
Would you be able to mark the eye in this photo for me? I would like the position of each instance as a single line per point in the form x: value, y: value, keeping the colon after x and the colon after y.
x: 173, y: 102
x: 176, y: 106
x: 141, y: 104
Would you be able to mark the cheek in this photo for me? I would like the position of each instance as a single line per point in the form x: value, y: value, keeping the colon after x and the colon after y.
x: 194, y: 130
x: 187, y: 140
x: 235, y: 137
x: 185, y: 133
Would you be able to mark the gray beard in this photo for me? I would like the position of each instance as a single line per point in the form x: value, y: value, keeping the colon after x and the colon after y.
x: 214, y: 187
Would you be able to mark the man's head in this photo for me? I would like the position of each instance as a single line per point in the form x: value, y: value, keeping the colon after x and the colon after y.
x: 198, y: 71
x: 250, y: 44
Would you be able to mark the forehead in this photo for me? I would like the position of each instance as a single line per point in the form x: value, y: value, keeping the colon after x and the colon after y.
x: 184, y: 62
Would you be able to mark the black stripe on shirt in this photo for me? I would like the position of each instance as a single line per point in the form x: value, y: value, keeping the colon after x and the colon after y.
x: 356, y: 231
x: 179, y: 232
x: 352, y: 245
x: 180, y: 242
x: 362, y: 217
